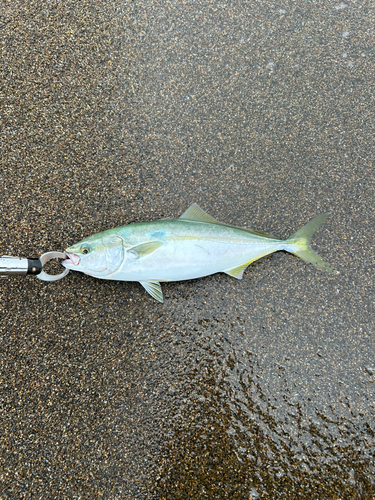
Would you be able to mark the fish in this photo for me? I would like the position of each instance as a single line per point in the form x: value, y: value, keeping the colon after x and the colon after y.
x: 193, y: 246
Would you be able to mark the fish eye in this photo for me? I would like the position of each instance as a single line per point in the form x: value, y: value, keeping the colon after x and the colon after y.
x: 85, y: 249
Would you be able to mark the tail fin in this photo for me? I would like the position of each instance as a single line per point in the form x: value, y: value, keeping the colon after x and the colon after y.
x: 302, y: 239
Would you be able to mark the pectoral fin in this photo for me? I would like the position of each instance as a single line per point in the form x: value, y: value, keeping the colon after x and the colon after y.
x: 144, y: 249
x: 153, y: 288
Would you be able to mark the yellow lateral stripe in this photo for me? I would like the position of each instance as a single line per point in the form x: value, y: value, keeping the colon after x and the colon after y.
x: 239, y: 241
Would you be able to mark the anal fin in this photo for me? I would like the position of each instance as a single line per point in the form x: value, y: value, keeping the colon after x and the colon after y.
x: 237, y: 272
x: 154, y: 289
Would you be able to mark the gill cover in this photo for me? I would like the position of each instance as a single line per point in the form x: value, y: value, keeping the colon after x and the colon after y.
x: 112, y: 246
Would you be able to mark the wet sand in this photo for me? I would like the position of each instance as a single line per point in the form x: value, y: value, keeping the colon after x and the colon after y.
x: 262, y: 113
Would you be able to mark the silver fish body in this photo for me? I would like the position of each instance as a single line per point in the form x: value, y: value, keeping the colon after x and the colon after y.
x: 193, y: 246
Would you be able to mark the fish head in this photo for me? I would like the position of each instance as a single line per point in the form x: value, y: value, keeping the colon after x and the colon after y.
x: 99, y: 255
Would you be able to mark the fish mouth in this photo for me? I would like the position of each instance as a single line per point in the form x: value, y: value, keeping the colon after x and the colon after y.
x: 72, y: 260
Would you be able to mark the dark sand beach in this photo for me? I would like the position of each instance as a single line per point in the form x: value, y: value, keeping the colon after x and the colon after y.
x: 118, y: 112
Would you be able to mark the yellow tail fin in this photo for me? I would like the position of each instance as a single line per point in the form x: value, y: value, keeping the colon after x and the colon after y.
x: 303, y: 237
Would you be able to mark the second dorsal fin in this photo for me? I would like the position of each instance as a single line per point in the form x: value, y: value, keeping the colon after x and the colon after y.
x: 194, y: 212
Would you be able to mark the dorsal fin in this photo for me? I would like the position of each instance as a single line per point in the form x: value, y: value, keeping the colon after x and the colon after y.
x: 195, y: 213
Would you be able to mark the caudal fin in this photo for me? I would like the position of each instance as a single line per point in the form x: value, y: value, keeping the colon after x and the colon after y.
x: 302, y: 239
